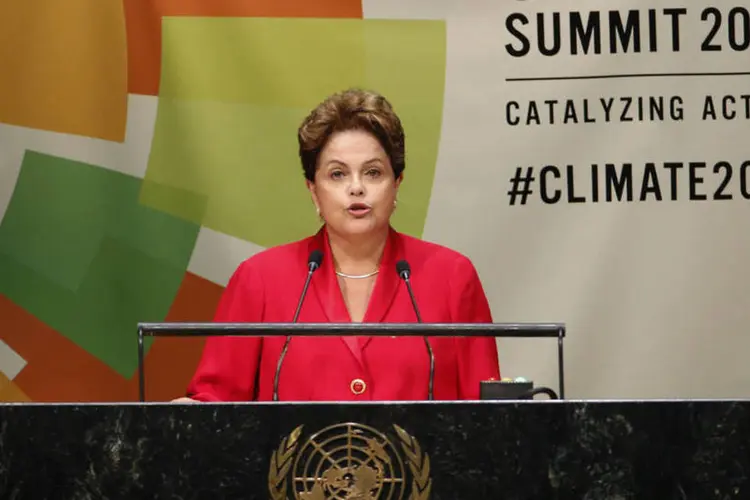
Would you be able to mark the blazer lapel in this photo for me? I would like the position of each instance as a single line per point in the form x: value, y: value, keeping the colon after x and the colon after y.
x: 326, y: 289
x: 386, y: 285
x: 325, y: 285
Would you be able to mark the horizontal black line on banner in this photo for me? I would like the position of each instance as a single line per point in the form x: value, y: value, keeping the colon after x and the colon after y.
x: 625, y: 75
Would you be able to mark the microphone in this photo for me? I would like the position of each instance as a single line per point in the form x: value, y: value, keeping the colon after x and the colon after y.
x: 313, y: 263
x: 404, y: 272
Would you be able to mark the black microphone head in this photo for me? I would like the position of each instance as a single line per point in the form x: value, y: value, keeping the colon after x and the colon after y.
x: 403, y: 269
x: 314, y: 260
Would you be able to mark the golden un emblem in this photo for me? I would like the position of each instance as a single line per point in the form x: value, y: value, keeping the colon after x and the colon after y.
x: 349, y: 461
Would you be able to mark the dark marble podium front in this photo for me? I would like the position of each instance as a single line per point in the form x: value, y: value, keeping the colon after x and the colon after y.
x: 657, y: 450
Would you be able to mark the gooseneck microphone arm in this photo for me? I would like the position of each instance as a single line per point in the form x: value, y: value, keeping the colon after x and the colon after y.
x: 313, y: 263
x: 404, y: 272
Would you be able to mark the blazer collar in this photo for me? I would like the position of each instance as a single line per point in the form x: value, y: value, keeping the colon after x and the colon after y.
x: 326, y: 287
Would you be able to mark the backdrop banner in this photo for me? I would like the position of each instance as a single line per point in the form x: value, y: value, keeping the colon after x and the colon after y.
x: 592, y: 160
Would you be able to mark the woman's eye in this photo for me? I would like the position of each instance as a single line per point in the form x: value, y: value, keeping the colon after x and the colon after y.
x: 373, y: 172
x: 337, y: 174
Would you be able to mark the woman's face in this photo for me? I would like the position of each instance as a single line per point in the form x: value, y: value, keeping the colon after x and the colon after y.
x: 354, y: 188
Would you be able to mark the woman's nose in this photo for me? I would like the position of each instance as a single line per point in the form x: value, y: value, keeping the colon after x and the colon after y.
x: 356, y: 188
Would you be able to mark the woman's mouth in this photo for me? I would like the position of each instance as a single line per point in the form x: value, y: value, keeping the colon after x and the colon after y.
x: 359, y: 209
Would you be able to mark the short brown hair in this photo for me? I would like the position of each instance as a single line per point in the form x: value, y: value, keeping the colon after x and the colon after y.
x: 352, y: 109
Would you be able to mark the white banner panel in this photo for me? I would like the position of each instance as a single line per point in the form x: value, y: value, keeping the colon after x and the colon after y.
x: 594, y: 164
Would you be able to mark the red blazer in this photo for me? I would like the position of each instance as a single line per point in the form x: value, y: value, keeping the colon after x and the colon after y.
x: 266, y: 288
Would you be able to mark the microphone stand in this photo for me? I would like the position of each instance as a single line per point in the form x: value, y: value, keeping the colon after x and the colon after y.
x: 313, y: 264
x: 403, y: 270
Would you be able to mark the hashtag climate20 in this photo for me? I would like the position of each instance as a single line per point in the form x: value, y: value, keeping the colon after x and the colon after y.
x: 626, y: 182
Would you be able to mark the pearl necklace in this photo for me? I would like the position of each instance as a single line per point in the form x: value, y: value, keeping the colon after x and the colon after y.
x: 357, y: 277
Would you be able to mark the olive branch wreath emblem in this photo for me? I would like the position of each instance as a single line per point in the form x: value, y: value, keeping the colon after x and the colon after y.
x: 419, y: 464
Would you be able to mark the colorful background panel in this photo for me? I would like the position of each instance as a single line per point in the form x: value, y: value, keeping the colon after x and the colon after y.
x: 145, y: 155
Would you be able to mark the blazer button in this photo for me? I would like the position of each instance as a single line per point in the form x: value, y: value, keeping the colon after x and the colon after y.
x: 358, y: 386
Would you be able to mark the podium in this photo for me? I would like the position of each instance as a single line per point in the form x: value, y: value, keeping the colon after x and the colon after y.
x: 540, y: 449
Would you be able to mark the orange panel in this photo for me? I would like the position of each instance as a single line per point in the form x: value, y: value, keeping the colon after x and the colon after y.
x: 63, y: 66
x: 57, y: 370
x: 143, y: 26
x: 9, y: 392
x: 171, y: 361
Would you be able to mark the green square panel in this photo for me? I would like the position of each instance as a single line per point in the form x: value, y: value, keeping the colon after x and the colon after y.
x: 79, y: 252
x: 234, y: 91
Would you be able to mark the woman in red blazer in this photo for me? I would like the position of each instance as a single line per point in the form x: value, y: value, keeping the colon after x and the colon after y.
x: 352, y: 152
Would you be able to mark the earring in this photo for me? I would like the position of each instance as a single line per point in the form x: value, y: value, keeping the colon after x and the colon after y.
x: 395, y: 202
